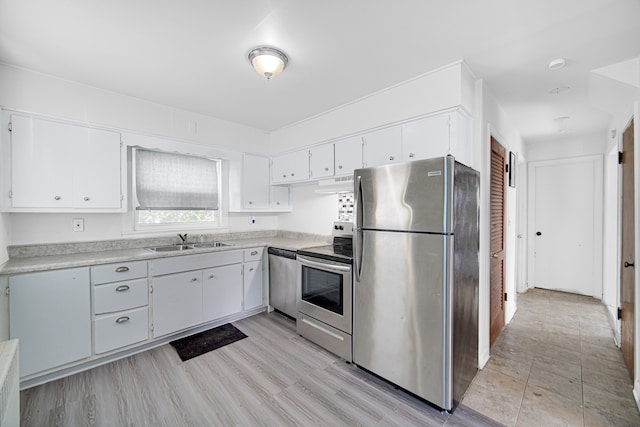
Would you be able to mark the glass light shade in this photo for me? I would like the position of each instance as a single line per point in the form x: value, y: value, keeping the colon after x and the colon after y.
x: 268, y: 61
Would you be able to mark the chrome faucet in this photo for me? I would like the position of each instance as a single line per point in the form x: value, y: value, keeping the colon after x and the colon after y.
x: 183, y: 237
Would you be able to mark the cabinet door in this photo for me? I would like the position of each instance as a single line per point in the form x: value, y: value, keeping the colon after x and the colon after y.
x: 255, y: 182
x: 41, y: 165
x: 253, y: 292
x: 383, y: 147
x: 348, y: 155
x: 291, y: 167
x: 96, y: 170
x: 426, y: 138
x: 222, y: 292
x: 280, y: 199
x: 177, y: 302
x: 50, y: 313
x: 321, y: 162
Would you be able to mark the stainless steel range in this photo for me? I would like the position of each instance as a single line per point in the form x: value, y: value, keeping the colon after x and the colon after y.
x: 325, y: 292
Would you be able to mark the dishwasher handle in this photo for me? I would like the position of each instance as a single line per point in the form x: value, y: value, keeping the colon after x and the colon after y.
x: 285, y: 253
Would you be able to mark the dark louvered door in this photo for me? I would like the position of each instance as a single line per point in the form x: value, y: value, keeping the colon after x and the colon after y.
x: 498, y: 154
x: 627, y: 293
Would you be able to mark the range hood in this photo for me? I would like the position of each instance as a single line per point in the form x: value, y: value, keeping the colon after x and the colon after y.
x: 342, y: 184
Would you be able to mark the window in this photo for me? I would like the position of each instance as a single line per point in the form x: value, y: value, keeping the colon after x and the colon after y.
x: 173, y: 189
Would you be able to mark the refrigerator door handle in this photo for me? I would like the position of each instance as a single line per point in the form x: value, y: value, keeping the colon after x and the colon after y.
x: 357, y: 232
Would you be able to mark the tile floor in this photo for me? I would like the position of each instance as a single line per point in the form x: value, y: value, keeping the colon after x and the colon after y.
x: 555, y: 364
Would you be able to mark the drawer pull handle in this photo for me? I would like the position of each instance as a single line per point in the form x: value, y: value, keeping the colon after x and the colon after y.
x: 122, y: 269
x: 122, y: 288
x: 122, y: 319
x: 254, y: 252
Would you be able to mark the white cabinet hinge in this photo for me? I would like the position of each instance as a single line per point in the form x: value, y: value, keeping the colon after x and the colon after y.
x: 10, y: 194
x: 150, y: 289
x: 10, y: 127
x: 7, y: 291
x: 121, y: 143
x: 121, y: 197
x: 151, y: 327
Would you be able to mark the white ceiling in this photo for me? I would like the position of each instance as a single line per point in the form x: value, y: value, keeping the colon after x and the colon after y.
x: 192, y: 54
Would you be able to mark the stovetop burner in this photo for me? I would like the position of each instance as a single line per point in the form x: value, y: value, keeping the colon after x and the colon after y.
x: 340, y: 251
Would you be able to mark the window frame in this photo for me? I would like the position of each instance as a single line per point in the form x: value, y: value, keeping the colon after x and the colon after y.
x: 219, y: 214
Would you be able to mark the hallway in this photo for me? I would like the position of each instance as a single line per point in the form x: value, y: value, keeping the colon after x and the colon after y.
x: 555, y: 364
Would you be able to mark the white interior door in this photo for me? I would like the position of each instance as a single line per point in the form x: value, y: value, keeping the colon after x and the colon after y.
x: 566, y: 232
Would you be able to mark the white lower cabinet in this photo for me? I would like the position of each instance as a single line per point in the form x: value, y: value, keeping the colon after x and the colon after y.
x: 50, y: 313
x: 58, y: 314
x: 117, y: 330
x: 253, y: 292
x: 222, y: 292
x: 177, y: 302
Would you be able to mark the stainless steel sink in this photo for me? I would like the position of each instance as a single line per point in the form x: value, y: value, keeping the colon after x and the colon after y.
x: 185, y: 247
x: 170, y: 248
x: 211, y: 245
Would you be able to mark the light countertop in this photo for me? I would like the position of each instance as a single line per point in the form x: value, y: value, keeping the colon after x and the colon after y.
x: 51, y: 260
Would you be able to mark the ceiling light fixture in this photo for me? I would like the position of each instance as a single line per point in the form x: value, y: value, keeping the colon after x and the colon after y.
x: 556, y: 64
x: 268, y: 61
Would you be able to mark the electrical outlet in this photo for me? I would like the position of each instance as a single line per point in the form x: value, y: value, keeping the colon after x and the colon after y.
x: 252, y: 220
x: 78, y: 224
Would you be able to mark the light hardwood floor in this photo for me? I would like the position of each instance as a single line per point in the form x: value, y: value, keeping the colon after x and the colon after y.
x: 272, y: 378
x: 555, y: 364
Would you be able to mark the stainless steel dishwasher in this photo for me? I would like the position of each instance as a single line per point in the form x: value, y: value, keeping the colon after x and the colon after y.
x: 283, y: 281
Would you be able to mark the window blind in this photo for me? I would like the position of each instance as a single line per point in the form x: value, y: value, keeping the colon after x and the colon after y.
x: 168, y: 181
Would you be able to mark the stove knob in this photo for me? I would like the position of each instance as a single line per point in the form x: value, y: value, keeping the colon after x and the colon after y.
x: 341, y: 228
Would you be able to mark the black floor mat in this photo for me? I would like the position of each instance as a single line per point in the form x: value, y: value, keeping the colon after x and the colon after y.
x: 204, y: 342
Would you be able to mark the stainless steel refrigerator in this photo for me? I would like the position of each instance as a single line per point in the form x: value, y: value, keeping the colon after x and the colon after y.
x: 416, y: 276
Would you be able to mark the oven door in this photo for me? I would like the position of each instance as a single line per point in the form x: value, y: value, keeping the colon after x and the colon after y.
x: 324, y: 291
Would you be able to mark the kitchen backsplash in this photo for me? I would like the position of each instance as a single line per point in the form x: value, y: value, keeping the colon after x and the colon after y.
x: 345, y: 206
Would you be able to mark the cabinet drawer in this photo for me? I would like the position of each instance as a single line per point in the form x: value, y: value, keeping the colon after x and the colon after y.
x: 118, y: 272
x: 120, y: 296
x: 253, y: 254
x: 120, y: 329
x: 193, y: 262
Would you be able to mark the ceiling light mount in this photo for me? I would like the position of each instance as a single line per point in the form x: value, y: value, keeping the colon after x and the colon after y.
x: 560, y: 89
x: 556, y: 64
x: 268, y: 61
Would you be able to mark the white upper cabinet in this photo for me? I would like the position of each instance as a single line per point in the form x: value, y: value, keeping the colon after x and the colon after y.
x: 62, y: 167
x: 280, y: 198
x: 255, y: 182
x: 250, y: 188
x: 437, y: 136
x: 321, y: 161
x: 383, y: 147
x: 426, y: 138
x: 290, y: 167
x: 348, y: 155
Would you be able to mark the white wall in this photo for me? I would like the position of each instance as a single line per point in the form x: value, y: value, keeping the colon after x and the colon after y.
x: 38, y: 93
x: 565, y: 147
x: 492, y: 121
x: 430, y: 92
x: 47, y: 95
x: 312, y: 213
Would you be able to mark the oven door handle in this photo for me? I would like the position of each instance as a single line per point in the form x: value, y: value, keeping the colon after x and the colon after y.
x: 306, y: 261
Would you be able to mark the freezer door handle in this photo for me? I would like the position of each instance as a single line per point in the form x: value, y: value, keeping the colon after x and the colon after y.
x: 357, y: 232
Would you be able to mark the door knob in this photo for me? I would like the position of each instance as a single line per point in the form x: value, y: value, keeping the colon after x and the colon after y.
x: 628, y: 264
x: 538, y: 234
x: 494, y: 255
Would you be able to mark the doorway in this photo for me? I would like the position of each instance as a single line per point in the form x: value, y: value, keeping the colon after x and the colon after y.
x: 566, y: 225
x: 627, y: 293
x: 496, y: 294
